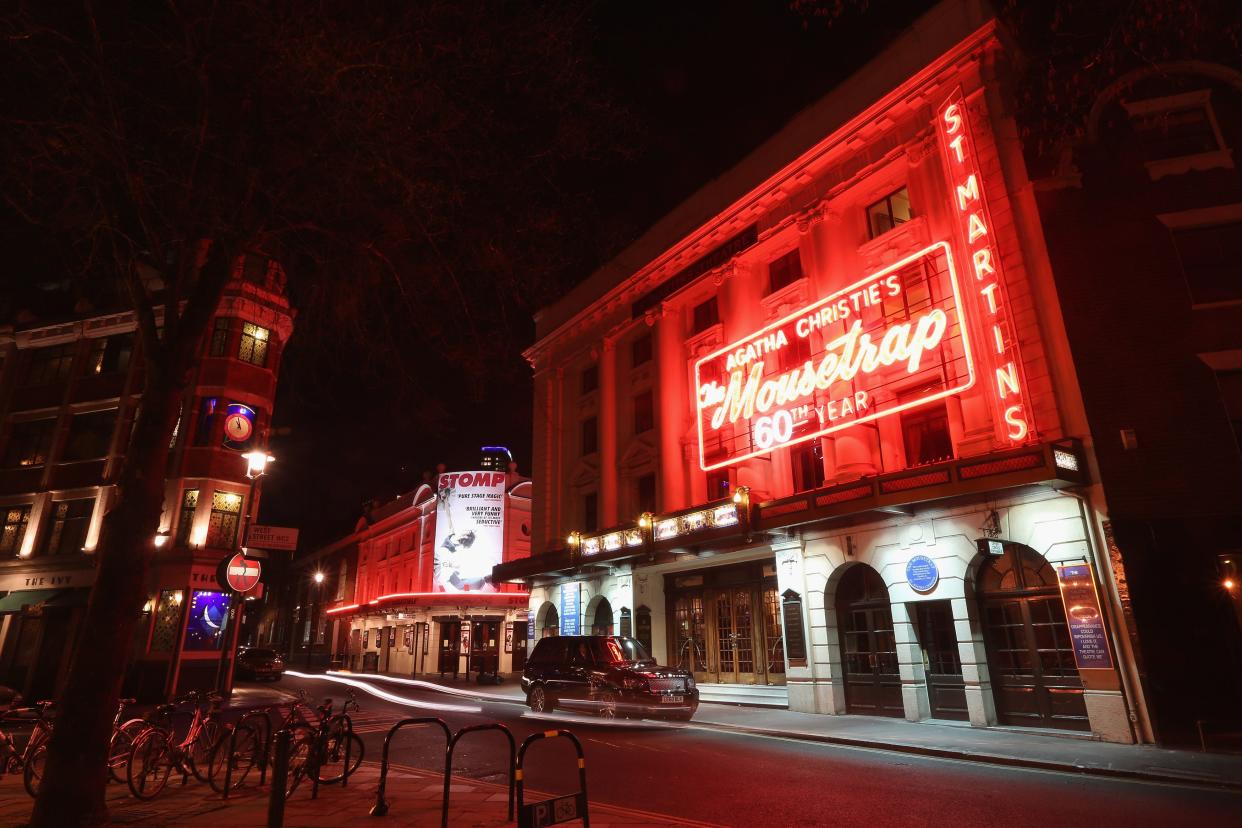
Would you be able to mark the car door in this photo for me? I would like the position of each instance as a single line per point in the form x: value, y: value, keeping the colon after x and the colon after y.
x: 576, y: 672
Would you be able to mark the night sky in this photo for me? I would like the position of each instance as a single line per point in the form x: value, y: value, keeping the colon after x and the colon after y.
x: 703, y: 83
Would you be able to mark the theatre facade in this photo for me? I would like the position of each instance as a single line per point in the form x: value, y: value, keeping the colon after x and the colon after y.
x: 817, y: 436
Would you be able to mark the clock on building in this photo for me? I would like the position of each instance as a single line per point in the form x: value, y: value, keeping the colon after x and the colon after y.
x: 238, y: 426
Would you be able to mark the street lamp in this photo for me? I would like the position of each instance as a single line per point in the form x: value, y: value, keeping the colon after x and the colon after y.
x: 256, y: 465
x: 316, y: 603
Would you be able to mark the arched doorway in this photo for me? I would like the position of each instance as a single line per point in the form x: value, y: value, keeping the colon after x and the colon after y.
x: 868, y: 648
x: 549, y: 620
x: 1035, y: 680
x: 601, y: 621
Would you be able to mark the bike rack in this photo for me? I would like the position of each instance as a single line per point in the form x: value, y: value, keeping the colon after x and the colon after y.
x: 551, y: 811
x: 514, y: 775
x: 228, y: 760
x: 381, y: 806
x: 323, y: 746
x: 264, y: 716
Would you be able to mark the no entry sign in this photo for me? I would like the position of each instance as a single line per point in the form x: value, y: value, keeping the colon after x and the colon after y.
x: 239, y: 573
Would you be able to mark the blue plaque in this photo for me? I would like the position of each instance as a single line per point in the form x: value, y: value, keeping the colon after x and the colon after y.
x: 922, y: 574
x: 569, y: 609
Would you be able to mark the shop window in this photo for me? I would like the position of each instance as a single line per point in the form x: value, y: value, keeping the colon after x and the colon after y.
x: 50, y: 365
x: 926, y: 435
x: 644, y: 412
x: 646, y: 493
x: 888, y: 212
x: 807, y: 463
x: 207, y: 411
x: 168, y: 613
x: 784, y: 271
x: 706, y: 314
x: 207, y: 621
x: 90, y: 435
x: 590, y: 512
x: 588, y: 380
x: 185, y: 517
x: 16, y: 519
x: 590, y: 436
x: 718, y: 484
x: 1210, y: 257
x: 66, y: 532
x: 225, y: 516
x: 29, y: 443
x: 640, y: 351
x: 1175, y: 127
x: 110, y: 355
x: 220, y: 336
x: 253, y: 345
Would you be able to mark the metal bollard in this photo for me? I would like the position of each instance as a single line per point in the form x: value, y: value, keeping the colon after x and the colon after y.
x: 349, y: 747
x: 380, y: 808
x: 581, y: 806
x: 280, y: 780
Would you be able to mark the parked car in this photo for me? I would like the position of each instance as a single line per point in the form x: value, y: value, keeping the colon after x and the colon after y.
x: 259, y: 663
x: 611, y: 675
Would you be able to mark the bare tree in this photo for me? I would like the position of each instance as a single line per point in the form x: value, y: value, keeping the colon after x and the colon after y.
x: 405, y: 165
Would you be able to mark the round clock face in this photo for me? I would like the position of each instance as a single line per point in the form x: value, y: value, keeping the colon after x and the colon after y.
x: 238, y: 427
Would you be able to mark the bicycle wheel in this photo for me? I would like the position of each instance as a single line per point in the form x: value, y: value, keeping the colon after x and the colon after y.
x: 150, y: 763
x: 240, y: 749
x: 300, y: 751
x: 199, y: 754
x: 32, y: 774
x: 341, y: 742
x: 119, y: 745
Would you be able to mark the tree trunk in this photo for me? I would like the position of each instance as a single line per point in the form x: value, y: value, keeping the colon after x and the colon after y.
x: 72, y: 791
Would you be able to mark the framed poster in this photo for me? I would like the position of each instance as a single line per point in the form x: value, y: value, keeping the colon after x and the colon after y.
x: 465, y: 637
x: 409, y: 639
x: 392, y: 636
x: 1082, y: 614
x: 426, y: 637
x: 366, y: 639
x: 509, y: 637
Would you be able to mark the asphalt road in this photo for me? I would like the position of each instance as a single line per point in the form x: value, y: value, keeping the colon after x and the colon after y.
x: 735, y: 779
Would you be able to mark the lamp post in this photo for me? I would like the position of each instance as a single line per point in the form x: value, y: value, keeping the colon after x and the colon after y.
x: 317, y: 578
x: 256, y: 466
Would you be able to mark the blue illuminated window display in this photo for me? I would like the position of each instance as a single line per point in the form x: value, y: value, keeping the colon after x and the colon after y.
x: 208, y: 619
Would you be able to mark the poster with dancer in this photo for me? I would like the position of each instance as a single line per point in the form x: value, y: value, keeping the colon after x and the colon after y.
x: 470, y: 530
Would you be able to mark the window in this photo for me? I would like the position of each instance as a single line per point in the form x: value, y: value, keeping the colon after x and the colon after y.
x: 640, y: 351
x: 644, y: 412
x: 225, y: 515
x: 220, y: 337
x: 589, y: 380
x: 16, y: 519
x: 795, y: 354
x: 706, y: 314
x: 590, y: 436
x: 784, y: 271
x: 110, y: 355
x: 808, y: 466
x: 206, y: 420
x: 253, y: 345
x: 185, y: 517
x: 926, y: 434
x: 66, y: 533
x: 646, y: 486
x: 208, y: 620
x: 342, y: 572
x: 50, y: 365
x: 29, y: 443
x: 1176, y: 126
x: 590, y: 512
x: 888, y: 212
x: 718, y: 484
x: 90, y: 435
x: 1210, y: 259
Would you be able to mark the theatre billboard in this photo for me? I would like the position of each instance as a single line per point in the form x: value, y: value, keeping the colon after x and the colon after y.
x: 470, y: 530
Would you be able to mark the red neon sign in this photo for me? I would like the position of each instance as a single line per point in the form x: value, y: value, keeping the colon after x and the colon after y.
x: 885, y: 344
x: 965, y: 182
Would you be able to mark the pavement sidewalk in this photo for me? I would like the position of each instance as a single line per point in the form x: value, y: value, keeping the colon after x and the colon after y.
x: 1018, y: 747
x: 413, y: 796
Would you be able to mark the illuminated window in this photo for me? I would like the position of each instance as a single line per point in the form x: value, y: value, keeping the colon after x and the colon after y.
x: 644, y: 412
x: 29, y: 443
x: 220, y: 336
x: 167, y: 614
x: 646, y: 486
x: 16, y: 519
x: 49, y: 366
x: 784, y: 271
x: 640, y: 351
x: 926, y: 435
x: 110, y: 355
x: 253, y: 345
x: 590, y: 436
x: 589, y: 379
x: 225, y: 516
x: 706, y: 314
x: 1210, y: 257
x: 807, y: 465
x: 207, y: 620
x: 1177, y: 126
x: 185, y: 517
x: 590, y: 512
x: 90, y: 435
x: 66, y: 532
x: 888, y: 212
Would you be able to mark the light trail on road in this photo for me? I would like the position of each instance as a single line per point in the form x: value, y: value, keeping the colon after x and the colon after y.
x: 385, y: 695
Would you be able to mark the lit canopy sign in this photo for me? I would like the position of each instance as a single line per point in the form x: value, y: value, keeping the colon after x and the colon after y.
x: 890, y: 342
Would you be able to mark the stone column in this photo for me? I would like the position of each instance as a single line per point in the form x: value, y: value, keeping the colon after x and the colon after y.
x: 676, y: 405
x: 608, y: 403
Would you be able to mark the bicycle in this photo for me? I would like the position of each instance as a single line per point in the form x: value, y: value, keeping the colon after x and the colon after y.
x: 122, y: 740
x: 323, y: 752
x: 32, y: 758
x: 154, y: 754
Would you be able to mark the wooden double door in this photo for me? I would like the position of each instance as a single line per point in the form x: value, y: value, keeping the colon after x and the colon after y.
x: 868, y: 647
x: 728, y: 633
